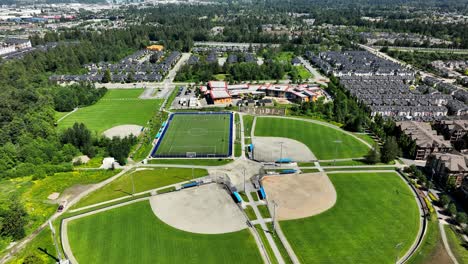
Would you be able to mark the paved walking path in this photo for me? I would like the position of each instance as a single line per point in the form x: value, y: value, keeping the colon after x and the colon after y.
x: 63, y: 117
x: 442, y: 222
x: 262, y: 223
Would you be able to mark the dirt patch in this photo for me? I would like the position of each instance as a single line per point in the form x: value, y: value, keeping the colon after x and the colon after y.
x: 300, y: 195
x: 53, y: 196
x: 207, y: 209
x: 123, y: 131
x: 439, y: 255
x: 73, y: 191
x: 269, y: 149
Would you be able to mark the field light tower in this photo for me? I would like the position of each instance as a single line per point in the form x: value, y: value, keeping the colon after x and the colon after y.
x: 54, y: 239
x: 398, y: 248
x: 275, y: 205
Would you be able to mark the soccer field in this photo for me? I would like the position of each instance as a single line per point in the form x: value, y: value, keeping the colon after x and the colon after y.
x: 117, y: 107
x: 374, y: 213
x: 318, y: 138
x: 133, y: 234
x: 196, y: 135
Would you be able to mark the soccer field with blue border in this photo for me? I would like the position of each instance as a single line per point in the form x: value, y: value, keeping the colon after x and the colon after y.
x: 196, y: 135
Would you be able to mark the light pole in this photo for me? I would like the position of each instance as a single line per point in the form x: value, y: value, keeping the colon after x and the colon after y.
x: 281, y: 153
x: 336, y: 149
x: 244, y: 183
x: 133, y: 184
x: 275, y: 205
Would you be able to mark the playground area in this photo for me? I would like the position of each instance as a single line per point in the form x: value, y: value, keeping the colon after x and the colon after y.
x: 270, y: 149
x: 206, y: 209
x: 191, y: 135
x: 300, y: 195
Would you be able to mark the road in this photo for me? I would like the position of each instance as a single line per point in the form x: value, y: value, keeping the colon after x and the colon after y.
x: 318, y: 77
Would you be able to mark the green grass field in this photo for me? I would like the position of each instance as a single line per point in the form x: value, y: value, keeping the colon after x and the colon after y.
x: 117, y: 107
x: 303, y: 72
x: 133, y: 234
x: 203, y: 134
x: 144, y: 180
x: 373, y: 213
x: 320, y: 139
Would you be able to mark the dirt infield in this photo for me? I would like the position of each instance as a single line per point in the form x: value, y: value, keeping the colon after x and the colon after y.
x: 207, y: 209
x: 300, y: 195
x: 269, y: 148
x: 123, y: 131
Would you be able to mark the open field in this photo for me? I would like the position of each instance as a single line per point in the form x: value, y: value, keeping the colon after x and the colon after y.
x: 373, y: 213
x: 456, y: 245
x: 144, y: 180
x: 204, y: 134
x: 248, y: 122
x: 320, y: 139
x: 133, y: 234
x: 117, y: 107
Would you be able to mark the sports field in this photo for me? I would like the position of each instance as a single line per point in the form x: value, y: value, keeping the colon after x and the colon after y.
x: 372, y: 215
x: 133, y: 234
x: 318, y: 138
x: 200, y: 134
x: 117, y: 107
x: 144, y: 180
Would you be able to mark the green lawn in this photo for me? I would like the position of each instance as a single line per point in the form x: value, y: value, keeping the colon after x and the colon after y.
x: 285, y: 56
x: 248, y: 122
x: 220, y: 77
x: 204, y: 134
x: 373, y: 213
x: 303, y: 72
x: 431, y: 243
x: 199, y: 162
x: 268, y: 249
x: 250, y: 213
x: 264, y: 211
x: 117, y: 107
x: 144, y: 180
x: 456, y: 245
x: 59, y: 115
x: 320, y: 139
x: 133, y: 234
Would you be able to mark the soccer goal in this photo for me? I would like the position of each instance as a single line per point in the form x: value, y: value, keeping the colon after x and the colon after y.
x: 191, y: 154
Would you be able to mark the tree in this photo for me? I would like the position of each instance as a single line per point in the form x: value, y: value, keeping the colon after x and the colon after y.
x: 107, y: 76
x: 390, y: 150
x: 444, y: 200
x: 373, y: 156
x: 452, y: 209
x: 14, y: 220
x: 461, y: 218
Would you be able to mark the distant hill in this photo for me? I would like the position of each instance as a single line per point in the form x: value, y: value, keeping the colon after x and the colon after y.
x: 24, y: 2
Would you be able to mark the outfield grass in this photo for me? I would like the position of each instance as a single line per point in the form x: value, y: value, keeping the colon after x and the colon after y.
x: 320, y: 139
x: 117, y: 107
x: 373, y: 213
x: 144, y: 180
x: 133, y: 234
x: 456, y: 245
x: 197, y: 162
x: 201, y: 133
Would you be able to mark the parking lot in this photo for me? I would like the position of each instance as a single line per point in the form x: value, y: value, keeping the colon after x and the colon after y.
x: 186, y: 98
